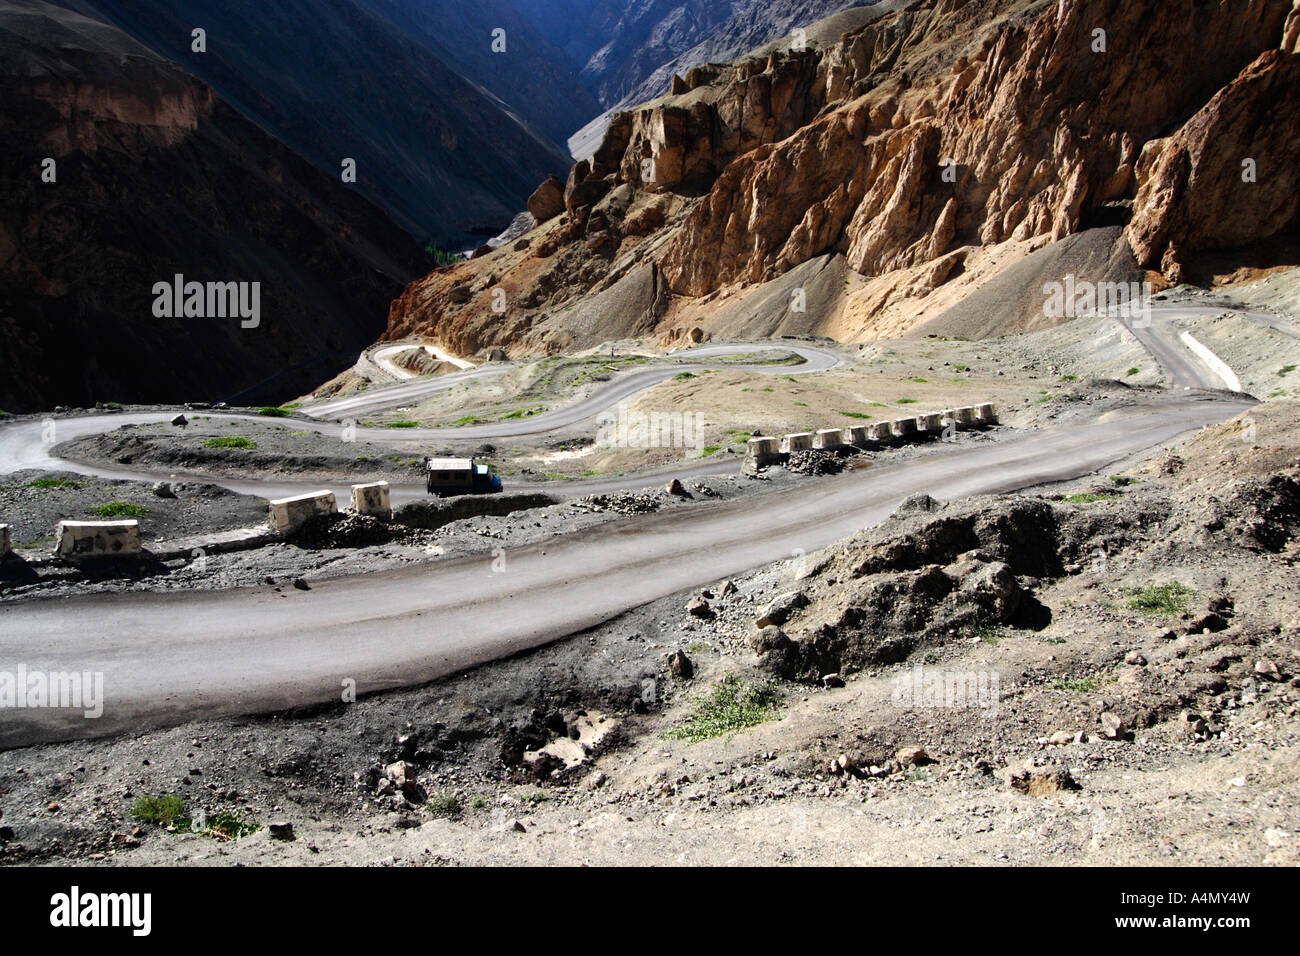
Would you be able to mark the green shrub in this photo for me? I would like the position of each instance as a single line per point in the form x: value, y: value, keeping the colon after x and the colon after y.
x: 731, y: 706
x: 163, y: 811
x: 230, y: 441
x: 119, y: 509
x: 270, y: 411
x: 1171, y: 598
x: 404, y: 423
x: 47, y: 484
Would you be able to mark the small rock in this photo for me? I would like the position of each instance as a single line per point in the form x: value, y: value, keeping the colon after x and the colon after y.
x: 281, y: 831
x: 832, y: 680
x: 1061, y: 738
x: 301, y: 585
x: 727, y: 588
x: 680, y: 665
x: 53, y: 807
x: 1267, y: 669
x: 699, y: 607
x: 1135, y: 659
x: 180, y: 421
x: 1112, y: 726
x: 163, y: 489
x: 675, y: 487
x: 911, y: 756
x: 1041, y: 782
x: 517, y: 826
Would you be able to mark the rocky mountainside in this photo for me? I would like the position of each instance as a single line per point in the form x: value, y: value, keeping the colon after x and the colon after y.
x: 877, y: 179
x: 154, y: 175
x: 443, y: 154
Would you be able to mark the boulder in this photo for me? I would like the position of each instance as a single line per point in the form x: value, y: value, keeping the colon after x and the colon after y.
x: 547, y: 201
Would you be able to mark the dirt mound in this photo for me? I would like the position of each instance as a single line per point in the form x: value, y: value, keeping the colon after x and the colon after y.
x: 815, y: 463
x: 351, y: 531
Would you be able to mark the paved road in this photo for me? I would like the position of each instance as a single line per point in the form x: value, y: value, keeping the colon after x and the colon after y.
x: 384, y: 359
x: 172, y: 657
x: 620, y: 387
x: 23, y: 445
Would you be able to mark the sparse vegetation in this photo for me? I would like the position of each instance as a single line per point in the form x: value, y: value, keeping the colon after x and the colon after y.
x: 1087, y: 498
x: 1132, y: 372
x: 271, y: 411
x: 1079, y: 685
x: 710, y: 450
x: 50, y: 484
x: 444, y: 804
x: 119, y: 509
x: 854, y: 414
x: 167, y: 810
x: 230, y: 441
x: 1171, y: 598
x: 683, y: 376
x: 1285, y: 370
x: 404, y: 423
x: 731, y: 706
x: 906, y: 401
x: 228, y: 825
x: 1123, y: 480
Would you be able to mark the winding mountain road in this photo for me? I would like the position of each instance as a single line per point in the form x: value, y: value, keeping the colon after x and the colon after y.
x: 171, y: 657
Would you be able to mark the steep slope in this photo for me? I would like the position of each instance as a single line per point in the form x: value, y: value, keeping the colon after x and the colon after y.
x: 934, y: 145
x: 332, y: 79
x: 155, y: 175
x: 530, y: 75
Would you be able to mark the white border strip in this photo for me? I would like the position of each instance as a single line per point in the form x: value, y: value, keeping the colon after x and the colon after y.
x: 1217, y: 365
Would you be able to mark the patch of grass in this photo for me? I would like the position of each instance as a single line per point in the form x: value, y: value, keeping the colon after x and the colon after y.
x: 919, y: 380
x: 854, y: 414
x: 1069, y: 378
x: 1171, y: 598
x: 228, y: 825
x: 1286, y: 370
x: 710, y: 450
x: 989, y: 633
x: 1080, y: 685
x: 802, y: 404
x: 467, y: 420
x: 403, y: 423
x: 272, y: 411
x: 167, y: 810
x: 1131, y: 372
x: 119, y: 509
x: 230, y: 441
x: 1123, y: 480
x: 534, y: 796
x: 769, y: 390
x: 905, y: 401
x: 1087, y: 498
x: 479, y: 802
x: 50, y: 484
x: 1052, y: 640
x: 521, y: 413
x: 444, y: 804
x: 730, y: 707
x: 683, y: 376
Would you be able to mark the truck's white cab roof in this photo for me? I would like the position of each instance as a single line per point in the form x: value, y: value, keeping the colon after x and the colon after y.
x: 449, y: 464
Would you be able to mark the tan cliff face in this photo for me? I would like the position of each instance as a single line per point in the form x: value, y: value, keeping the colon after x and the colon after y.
x: 944, y: 128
